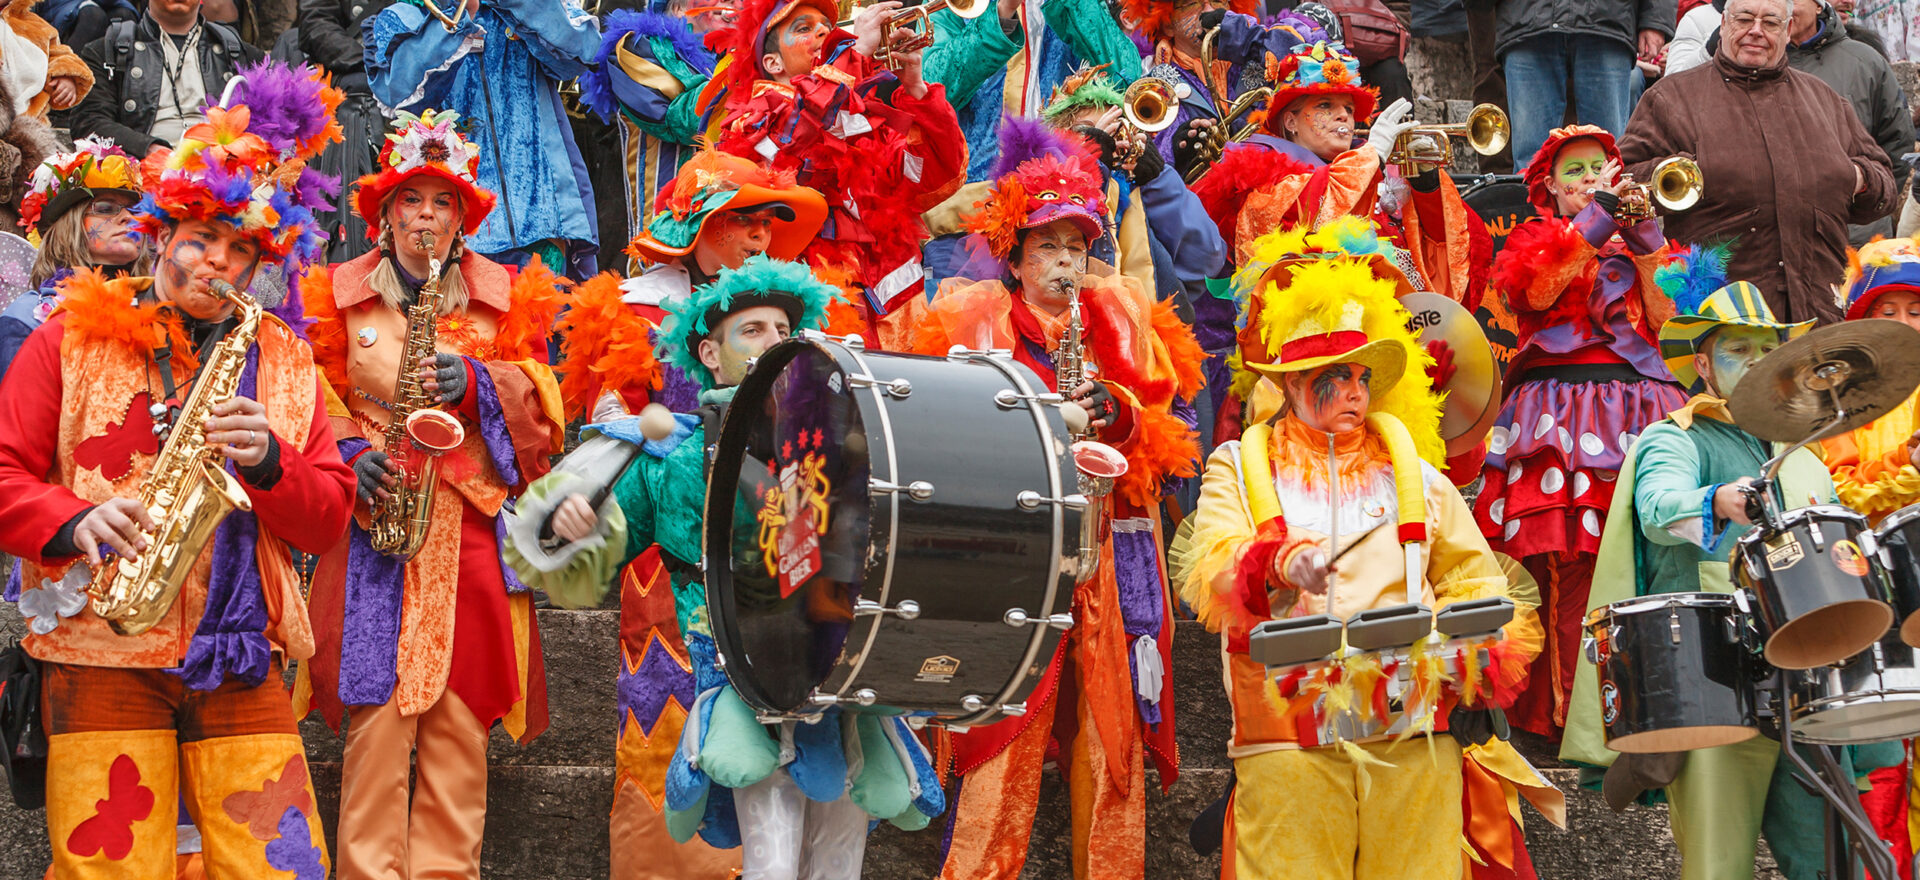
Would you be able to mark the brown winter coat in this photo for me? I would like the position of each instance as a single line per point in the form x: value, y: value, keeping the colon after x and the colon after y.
x: 1777, y: 149
x: 61, y: 61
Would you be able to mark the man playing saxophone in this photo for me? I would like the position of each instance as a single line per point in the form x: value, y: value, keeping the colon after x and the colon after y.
x: 1108, y: 687
x: 423, y: 633
x: 191, y: 707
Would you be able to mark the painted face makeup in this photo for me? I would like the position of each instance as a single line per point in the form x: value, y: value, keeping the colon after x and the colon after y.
x: 1579, y: 167
x: 424, y: 204
x: 1332, y: 399
x: 799, y: 43
x: 1322, y: 124
x: 1053, y: 260
x: 730, y: 238
x: 197, y: 253
x: 1732, y: 351
x: 1898, y: 305
x: 109, y: 230
x: 744, y: 335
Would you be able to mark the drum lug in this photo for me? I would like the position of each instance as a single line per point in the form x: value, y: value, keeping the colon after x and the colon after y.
x: 917, y: 722
x: 823, y: 699
x: 853, y: 340
x: 1016, y: 617
x: 1869, y: 544
x: 1007, y: 398
x: 865, y: 696
x: 1013, y: 710
x: 973, y: 702
x: 906, y: 610
x: 898, y: 388
x: 1592, y: 648
x: 1673, y: 623
x: 720, y: 661
x: 918, y: 490
x: 1031, y: 500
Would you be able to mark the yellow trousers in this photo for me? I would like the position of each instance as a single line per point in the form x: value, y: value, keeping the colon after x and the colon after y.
x: 1314, y: 813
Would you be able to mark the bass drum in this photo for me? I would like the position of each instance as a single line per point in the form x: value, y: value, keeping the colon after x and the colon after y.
x: 1500, y: 201
x: 890, y: 533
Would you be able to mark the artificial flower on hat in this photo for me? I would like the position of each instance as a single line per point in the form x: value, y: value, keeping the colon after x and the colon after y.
x: 430, y: 144
x: 247, y: 165
x: 66, y: 180
x: 1042, y: 176
x: 1320, y: 68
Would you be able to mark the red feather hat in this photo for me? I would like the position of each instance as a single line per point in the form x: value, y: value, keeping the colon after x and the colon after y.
x: 427, y: 144
x: 1039, y: 191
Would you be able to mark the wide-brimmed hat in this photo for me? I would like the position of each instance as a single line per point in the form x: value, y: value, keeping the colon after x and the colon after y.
x: 1739, y: 304
x: 1879, y: 267
x: 68, y: 180
x: 1313, y: 344
x: 1316, y: 69
x: 713, y: 181
x: 1540, y: 171
x: 1276, y: 257
x: 425, y: 145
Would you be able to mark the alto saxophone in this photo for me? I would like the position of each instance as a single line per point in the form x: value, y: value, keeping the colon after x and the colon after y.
x: 187, y: 493
x: 418, y: 434
x: 1096, y: 464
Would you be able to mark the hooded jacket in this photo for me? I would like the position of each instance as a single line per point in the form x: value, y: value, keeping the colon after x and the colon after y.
x: 1863, y: 77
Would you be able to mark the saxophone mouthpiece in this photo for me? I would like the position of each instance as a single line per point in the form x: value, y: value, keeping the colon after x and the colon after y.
x: 426, y: 241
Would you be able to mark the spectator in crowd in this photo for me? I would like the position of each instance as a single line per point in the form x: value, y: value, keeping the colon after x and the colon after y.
x: 1821, y: 43
x: 507, y: 89
x: 41, y: 73
x: 1547, y: 45
x: 1689, y: 47
x: 80, y: 22
x: 153, y: 77
x: 1789, y: 165
x: 329, y: 34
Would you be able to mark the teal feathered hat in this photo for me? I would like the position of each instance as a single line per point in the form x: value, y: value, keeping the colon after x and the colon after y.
x: 760, y: 281
x: 1705, y: 300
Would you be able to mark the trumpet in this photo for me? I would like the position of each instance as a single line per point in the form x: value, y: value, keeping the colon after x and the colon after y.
x: 1486, y: 131
x: 1676, y: 186
x: 917, y: 19
x: 1151, y: 104
x: 1232, y: 109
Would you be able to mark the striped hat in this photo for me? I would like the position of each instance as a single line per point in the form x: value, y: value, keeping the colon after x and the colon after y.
x: 1737, y: 304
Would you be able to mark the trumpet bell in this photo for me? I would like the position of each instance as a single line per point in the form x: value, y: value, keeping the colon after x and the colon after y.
x: 1150, y: 104
x: 1677, y: 184
x: 1488, y: 129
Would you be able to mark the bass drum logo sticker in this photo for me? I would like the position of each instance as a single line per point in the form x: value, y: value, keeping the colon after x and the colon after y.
x: 938, y: 670
x: 1847, y: 557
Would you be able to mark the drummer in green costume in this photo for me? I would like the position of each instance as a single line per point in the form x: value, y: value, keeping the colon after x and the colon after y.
x: 1678, y: 511
x: 803, y: 808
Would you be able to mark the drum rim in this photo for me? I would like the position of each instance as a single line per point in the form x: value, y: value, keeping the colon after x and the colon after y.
x: 1810, y: 512
x: 1655, y: 601
x: 1897, y: 519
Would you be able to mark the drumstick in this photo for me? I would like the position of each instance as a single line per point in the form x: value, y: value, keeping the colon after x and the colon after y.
x: 1355, y: 543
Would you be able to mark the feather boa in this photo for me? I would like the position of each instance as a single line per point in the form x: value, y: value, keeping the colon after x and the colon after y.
x: 325, y: 331
x: 1531, y: 247
x: 534, y: 299
x: 605, y: 346
x: 99, y: 310
x: 1162, y: 445
x: 1245, y: 168
x: 596, y: 87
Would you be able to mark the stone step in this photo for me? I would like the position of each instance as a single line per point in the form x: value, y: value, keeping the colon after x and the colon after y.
x: 548, y: 802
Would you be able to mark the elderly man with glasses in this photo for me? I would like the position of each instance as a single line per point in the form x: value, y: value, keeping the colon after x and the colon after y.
x: 1786, y: 162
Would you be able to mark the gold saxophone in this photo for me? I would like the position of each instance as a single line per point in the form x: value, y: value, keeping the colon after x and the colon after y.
x: 1096, y: 463
x: 418, y: 434
x: 187, y: 493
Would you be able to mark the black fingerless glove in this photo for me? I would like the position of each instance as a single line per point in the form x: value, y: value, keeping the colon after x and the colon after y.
x: 1188, y: 147
x: 1211, y: 19
x: 1148, y: 166
x: 1608, y: 202
x: 369, y: 472
x: 451, y: 372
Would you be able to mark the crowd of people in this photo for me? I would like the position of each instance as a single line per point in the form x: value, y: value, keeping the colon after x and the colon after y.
x: 323, y: 294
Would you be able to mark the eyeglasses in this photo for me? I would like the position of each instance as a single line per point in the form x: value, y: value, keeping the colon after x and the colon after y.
x: 106, y: 208
x: 1744, y: 22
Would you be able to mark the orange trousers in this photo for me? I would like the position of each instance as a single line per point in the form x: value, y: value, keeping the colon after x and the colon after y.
x: 999, y: 798
x: 437, y: 836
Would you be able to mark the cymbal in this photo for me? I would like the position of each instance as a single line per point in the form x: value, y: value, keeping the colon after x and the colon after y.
x: 1868, y: 366
x: 1473, y: 393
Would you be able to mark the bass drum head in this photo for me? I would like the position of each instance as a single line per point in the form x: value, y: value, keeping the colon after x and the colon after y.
x: 787, y: 527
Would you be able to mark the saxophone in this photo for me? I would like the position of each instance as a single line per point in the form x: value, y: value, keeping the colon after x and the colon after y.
x: 1097, y: 464
x: 187, y: 493
x: 418, y: 434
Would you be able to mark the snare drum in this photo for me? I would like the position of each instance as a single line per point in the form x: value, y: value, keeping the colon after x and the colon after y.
x: 1873, y: 697
x: 1899, y: 540
x: 1819, y: 588
x: 1673, y: 675
x: 890, y: 533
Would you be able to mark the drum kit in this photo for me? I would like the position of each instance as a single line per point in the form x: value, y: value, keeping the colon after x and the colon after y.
x: 1816, y: 640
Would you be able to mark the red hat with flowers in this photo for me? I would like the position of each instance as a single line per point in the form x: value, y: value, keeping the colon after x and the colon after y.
x: 1042, y: 176
x: 1320, y: 68
x: 427, y: 144
x: 1540, y: 170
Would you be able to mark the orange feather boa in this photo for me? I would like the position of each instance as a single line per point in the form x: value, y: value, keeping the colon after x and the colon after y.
x: 108, y: 311
x: 606, y: 346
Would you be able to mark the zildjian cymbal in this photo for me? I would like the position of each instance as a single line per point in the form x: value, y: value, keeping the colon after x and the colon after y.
x: 1861, y: 369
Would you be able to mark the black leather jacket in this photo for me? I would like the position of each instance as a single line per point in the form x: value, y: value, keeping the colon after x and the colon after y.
x: 128, y: 66
x: 330, y: 36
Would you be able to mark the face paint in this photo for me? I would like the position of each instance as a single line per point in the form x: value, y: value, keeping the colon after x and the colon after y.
x: 1734, y: 350
x: 729, y: 238
x: 742, y: 336
x: 194, y: 256
x: 1333, y: 399
x: 1898, y: 305
x: 1577, y: 169
x: 425, y: 204
x: 1053, y: 261
x: 1322, y: 124
x: 801, y: 39
x: 110, y: 236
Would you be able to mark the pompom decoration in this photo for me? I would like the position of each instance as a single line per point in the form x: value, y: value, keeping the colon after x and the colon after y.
x: 1319, y: 68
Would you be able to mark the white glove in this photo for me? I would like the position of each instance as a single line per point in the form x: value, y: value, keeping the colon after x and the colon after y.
x: 609, y: 407
x: 1388, y: 126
